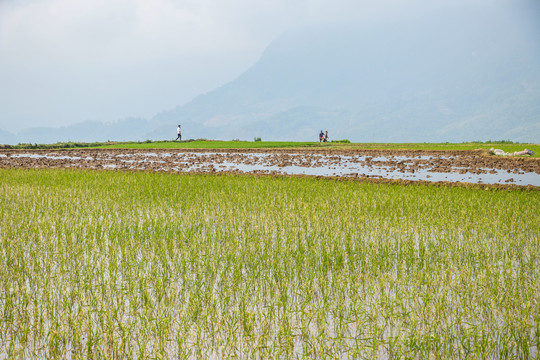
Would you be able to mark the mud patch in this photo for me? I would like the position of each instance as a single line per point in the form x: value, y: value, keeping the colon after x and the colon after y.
x: 403, y: 165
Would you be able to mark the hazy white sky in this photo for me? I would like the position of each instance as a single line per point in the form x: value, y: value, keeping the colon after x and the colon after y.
x: 66, y: 61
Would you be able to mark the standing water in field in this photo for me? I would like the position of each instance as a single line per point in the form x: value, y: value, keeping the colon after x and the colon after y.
x: 437, y: 167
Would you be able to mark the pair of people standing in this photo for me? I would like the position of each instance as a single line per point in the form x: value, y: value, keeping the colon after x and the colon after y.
x: 179, y: 132
x: 323, y: 137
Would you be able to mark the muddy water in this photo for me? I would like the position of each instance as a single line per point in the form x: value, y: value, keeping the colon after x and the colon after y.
x: 458, y: 167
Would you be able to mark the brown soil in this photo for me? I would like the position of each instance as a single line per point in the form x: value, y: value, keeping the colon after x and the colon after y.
x: 214, y: 160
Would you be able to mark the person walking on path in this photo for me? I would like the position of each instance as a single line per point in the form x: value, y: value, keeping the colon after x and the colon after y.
x: 326, y: 137
x: 321, y: 137
x: 179, y: 137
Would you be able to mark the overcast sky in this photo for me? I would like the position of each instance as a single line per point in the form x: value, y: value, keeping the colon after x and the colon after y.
x: 66, y: 61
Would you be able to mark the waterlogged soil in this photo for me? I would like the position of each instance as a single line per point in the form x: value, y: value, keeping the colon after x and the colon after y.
x: 449, y: 167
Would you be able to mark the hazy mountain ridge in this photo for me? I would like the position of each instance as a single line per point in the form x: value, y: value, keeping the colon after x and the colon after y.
x: 427, y: 81
x: 457, y: 77
x: 86, y: 131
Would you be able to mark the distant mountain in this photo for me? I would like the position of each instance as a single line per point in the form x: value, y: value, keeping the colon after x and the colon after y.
x: 457, y: 77
x: 88, y: 131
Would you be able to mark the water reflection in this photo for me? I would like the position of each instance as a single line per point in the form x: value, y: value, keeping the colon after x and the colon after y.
x: 433, y: 168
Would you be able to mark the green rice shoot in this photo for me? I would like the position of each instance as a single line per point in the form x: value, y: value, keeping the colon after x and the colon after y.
x: 98, y: 264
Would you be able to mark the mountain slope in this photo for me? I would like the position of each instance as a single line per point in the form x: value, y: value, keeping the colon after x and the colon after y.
x: 453, y: 78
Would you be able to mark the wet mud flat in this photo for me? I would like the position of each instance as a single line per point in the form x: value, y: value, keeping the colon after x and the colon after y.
x: 474, y: 167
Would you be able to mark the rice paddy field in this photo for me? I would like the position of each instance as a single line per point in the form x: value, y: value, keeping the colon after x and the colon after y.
x: 506, y: 146
x: 117, y: 264
x: 339, y: 144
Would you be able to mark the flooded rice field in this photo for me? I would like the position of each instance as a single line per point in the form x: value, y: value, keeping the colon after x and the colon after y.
x: 408, y: 165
